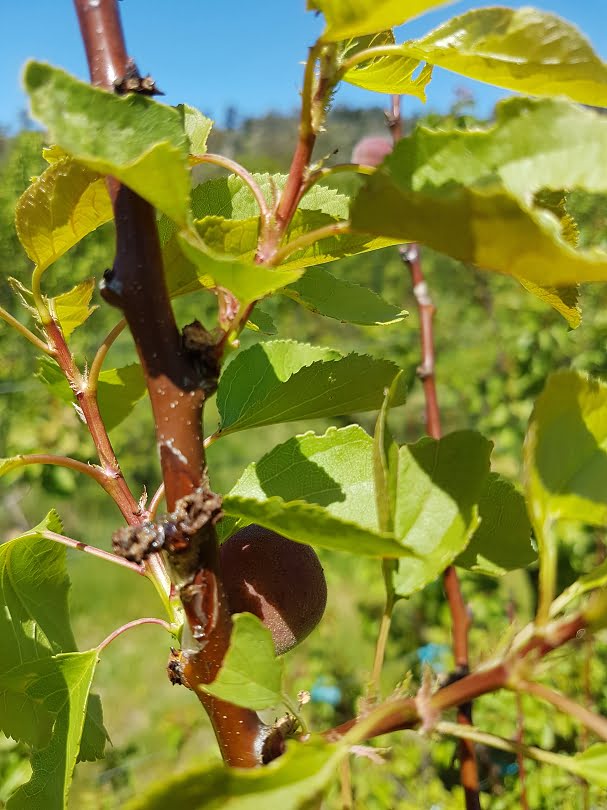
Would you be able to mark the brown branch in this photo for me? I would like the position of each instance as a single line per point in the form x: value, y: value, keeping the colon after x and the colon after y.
x: 397, y: 714
x: 460, y: 618
x: 180, y: 372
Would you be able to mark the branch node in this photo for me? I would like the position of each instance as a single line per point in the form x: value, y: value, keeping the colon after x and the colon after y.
x: 202, y: 349
x: 133, y: 82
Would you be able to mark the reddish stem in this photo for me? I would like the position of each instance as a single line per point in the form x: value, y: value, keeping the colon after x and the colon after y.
x: 113, y: 482
x: 426, y: 372
x: 93, y: 550
x: 135, y: 623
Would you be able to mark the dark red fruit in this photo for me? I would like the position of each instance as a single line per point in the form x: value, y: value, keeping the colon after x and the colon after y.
x: 371, y: 151
x: 278, y: 580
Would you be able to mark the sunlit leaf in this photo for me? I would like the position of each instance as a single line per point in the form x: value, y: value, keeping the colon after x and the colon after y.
x: 352, y: 18
x: 59, y: 208
x: 73, y: 308
x: 472, y: 194
x: 196, y: 127
x: 394, y: 73
x: 35, y: 637
x: 132, y: 137
x: 524, y: 49
x: 250, y: 675
x: 317, y: 490
x: 53, y: 766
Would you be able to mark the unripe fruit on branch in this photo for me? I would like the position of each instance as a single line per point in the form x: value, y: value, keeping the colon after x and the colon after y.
x: 278, y: 580
x: 372, y: 150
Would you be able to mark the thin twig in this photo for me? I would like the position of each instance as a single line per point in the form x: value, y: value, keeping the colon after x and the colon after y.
x: 380, y: 645
x: 345, y: 779
x: 92, y: 470
x: 23, y: 330
x: 564, y: 704
x: 157, y: 499
x: 96, y: 552
x: 135, y: 623
x: 502, y: 744
x: 307, y: 239
x: 236, y: 168
x: 95, y: 369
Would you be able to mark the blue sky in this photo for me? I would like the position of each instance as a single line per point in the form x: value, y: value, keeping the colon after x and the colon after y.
x: 213, y: 55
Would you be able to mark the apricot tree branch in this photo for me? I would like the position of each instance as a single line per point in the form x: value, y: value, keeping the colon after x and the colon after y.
x: 180, y: 372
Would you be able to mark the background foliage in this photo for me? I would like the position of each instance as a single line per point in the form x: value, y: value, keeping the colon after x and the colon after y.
x: 494, y: 350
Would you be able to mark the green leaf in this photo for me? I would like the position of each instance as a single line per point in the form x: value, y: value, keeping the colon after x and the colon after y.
x: 260, y: 321
x: 283, y: 381
x: 526, y: 50
x: 321, y: 292
x: 393, y: 73
x: 59, y: 208
x: 502, y: 541
x: 295, y: 781
x: 53, y: 766
x: 307, y: 523
x: 385, y: 463
x: 316, y: 490
x: 440, y: 483
x: 247, y: 283
x: 251, y: 675
x: 35, y: 585
x: 565, y: 300
x: 231, y: 198
x: 221, y: 250
x: 565, y: 456
x: 119, y: 389
x: 472, y: 194
x: 590, y: 764
x: 72, y: 308
x: 353, y: 18
x: 133, y: 138
x: 34, y: 633
x: 196, y: 127
x: 238, y: 239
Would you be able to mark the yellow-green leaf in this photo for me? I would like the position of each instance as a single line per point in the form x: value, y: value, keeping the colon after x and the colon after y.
x: 525, y: 49
x: 63, y: 205
x: 352, y: 18
x: 72, y: 308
